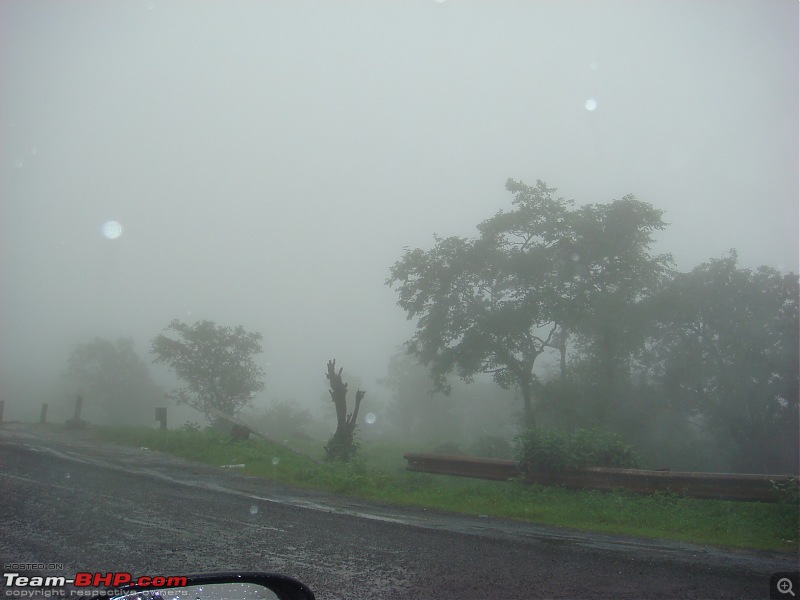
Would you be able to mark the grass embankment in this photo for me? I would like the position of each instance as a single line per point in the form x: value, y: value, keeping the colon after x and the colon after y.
x: 381, y: 476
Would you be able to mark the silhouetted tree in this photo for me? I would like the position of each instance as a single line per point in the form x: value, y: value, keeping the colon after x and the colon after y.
x: 342, y: 445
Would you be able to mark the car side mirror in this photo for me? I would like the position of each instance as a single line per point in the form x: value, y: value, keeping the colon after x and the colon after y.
x: 220, y: 586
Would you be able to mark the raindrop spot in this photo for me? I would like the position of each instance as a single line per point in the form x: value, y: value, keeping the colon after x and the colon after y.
x: 112, y: 229
x: 370, y: 418
x: 591, y: 104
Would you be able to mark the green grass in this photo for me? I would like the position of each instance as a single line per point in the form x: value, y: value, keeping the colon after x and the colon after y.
x: 380, y: 475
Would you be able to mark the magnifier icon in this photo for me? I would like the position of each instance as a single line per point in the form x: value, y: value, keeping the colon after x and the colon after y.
x: 785, y: 586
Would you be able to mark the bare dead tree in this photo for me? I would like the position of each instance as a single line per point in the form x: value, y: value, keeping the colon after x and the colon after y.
x: 342, y: 445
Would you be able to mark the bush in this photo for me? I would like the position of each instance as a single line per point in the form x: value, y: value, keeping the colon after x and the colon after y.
x: 342, y: 448
x: 594, y: 448
x: 786, y: 492
x: 553, y: 451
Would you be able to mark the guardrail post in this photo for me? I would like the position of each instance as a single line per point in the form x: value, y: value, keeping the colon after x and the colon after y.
x: 76, y: 422
x: 78, y: 408
x: 161, y: 416
x: 43, y: 415
x: 2, y: 405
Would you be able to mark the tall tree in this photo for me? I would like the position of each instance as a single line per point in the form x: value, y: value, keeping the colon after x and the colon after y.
x: 726, y: 351
x: 495, y: 303
x: 113, y: 380
x: 216, y: 364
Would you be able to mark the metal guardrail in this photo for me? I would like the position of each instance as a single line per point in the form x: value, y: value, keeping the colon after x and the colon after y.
x: 463, y: 466
x: 719, y: 486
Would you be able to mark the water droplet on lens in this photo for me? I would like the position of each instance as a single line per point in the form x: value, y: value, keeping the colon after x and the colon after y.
x: 112, y: 229
x: 575, y: 257
x: 591, y: 104
x: 67, y: 476
x: 253, y: 510
x: 275, y: 461
x: 370, y: 418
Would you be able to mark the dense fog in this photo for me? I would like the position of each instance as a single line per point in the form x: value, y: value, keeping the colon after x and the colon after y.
x: 264, y: 164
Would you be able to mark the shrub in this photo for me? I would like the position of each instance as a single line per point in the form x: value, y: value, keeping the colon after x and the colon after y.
x: 594, y: 448
x: 342, y: 448
x: 786, y: 492
x: 553, y: 451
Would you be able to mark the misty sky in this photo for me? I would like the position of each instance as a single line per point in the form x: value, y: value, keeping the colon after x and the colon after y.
x: 268, y: 161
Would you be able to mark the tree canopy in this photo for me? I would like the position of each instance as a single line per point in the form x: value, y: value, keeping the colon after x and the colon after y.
x: 216, y: 363
x: 535, y: 275
x: 725, y: 349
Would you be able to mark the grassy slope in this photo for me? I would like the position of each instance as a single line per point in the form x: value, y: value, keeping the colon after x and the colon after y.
x: 381, y: 476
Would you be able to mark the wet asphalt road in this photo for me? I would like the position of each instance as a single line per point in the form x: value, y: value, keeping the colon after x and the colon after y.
x: 96, y: 507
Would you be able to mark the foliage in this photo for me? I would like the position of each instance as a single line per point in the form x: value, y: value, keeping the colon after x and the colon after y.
x: 787, y: 492
x: 112, y: 376
x: 216, y: 363
x: 704, y: 373
x: 494, y: 304
x: 339, y: 449
x: 190, y: 426
x: 725, y: 350
x: 554, y: 451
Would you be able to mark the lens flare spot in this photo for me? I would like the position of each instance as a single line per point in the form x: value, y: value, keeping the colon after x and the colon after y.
x: 112, y: 229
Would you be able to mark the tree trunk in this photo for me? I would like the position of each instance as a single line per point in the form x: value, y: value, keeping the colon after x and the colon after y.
x: 527, y: 402
x: 342, y: 445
